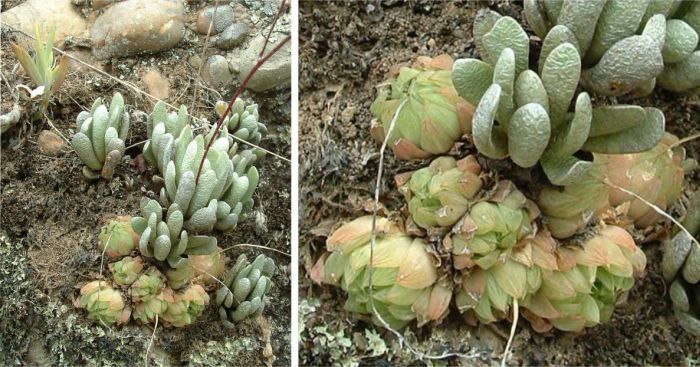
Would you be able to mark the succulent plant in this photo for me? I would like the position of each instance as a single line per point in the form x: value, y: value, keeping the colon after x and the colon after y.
x: 525, y: 115
x: 438, y: 195
x: 126, y: 270
x: 186, y: 306
x: 243, y: 120
x: 405, y: 282
x: 208, y: 268
x: 180, y: 276
x: 224, y: 192
x: 494, y: 245
x: 41, y: 68
x: 147, y: 286
x: 146, y: 310
x: 165, y: 239
x: 99, y: 140
x: 245, y: 287
x: 626, y: 45
x: 433, y: 116
x: 103, y: 303
x: 118, y: 236
x: 681, y: 268
x: 587, y: 283
x: 656, y: 175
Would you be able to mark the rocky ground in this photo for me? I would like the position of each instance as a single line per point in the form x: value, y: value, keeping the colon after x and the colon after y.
x: 346, y: 49
x: 50, y: 215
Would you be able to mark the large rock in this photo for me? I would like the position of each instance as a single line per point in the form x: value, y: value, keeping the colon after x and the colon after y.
x: 59, y: 14
x: 135, y: 26
x: 275, y: 72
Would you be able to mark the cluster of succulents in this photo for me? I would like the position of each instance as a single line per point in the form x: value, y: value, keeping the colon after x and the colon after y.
x: 483, y: 242
x: 222, y: 194
x: 432, y: 116
x: 625, y: 45
x: 244, y: 287
x: 163, y: 257
x: 524, y: 115
x: 438, y: 194
x: 405, y: 283
x: 100, y: 136
x: 141, y: 295
x: 242, y: 120
x: 681, y: 268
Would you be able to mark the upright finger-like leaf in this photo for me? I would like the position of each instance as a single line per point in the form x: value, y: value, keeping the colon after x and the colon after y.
x: 560, y: 75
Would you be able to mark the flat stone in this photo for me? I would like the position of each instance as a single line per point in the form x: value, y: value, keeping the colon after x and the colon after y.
x: 157, y: 84
x: 60, y: 14
x: 51, y: 144
x: 275, y: 72
x: 222, y: 17
x: 136, y: 26
x: 217, y: 71
x: 231, y: 36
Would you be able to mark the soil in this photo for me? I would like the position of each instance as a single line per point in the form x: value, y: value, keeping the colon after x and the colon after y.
x: 50, y: 218
x: 346, y: 50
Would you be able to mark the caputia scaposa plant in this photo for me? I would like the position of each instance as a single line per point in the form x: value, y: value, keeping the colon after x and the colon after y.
x: 525, y: 115
x: 626, y: 45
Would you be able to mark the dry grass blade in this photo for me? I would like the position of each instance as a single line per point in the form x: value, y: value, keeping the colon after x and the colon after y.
x: 257, y: 246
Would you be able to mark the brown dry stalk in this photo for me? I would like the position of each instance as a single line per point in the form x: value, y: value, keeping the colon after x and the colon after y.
x: 240, y: 89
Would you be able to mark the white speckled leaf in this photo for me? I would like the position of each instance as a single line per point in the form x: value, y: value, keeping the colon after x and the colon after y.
x: 581, y: 16
x: 676, y: 250
x: 627, y: 65
x: 614, y: 118
x: 529, y: 89
x: 564, y: 170
x: 99, y: 126
x: 681, y: 41
x: 556, y: 36
x: 571, y: 138
x: 691, y: 269
x: 619, y: 19
x: 536, y: 17
x: 681, y: 76
x: 484, y: 21
x: 83, y: 147
x: 471, y: 78
x: 507, y: 33
x: 202, y: 193
x: 504, y: 76
x: 639, y: 138
x: 528, y: 134
x: 488, y: 141
x: 560, y: 75
x: 656, y: 30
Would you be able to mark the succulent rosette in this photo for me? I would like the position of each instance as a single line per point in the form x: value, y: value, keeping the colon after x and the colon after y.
x: 146, y: 311
x: 126, y: 270
x: 118, y: 236
x: 103, y: 303
x: 655, y: 175
x: 681, y: 268
x: 493, y: 247
x: 147, y: 286
x: 438, y: 195
x: 186, y: 306
x: 405, y: 280
x: 587, y: 283
x: 432, y: 117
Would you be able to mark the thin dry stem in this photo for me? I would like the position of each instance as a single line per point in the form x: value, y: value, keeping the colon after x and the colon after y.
x: 256, y: 246
x: 656, y: 209
x: 150, y: 342
x: 514, y: 326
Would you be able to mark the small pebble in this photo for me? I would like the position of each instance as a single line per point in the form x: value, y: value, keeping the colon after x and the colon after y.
x: 51, y: 144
